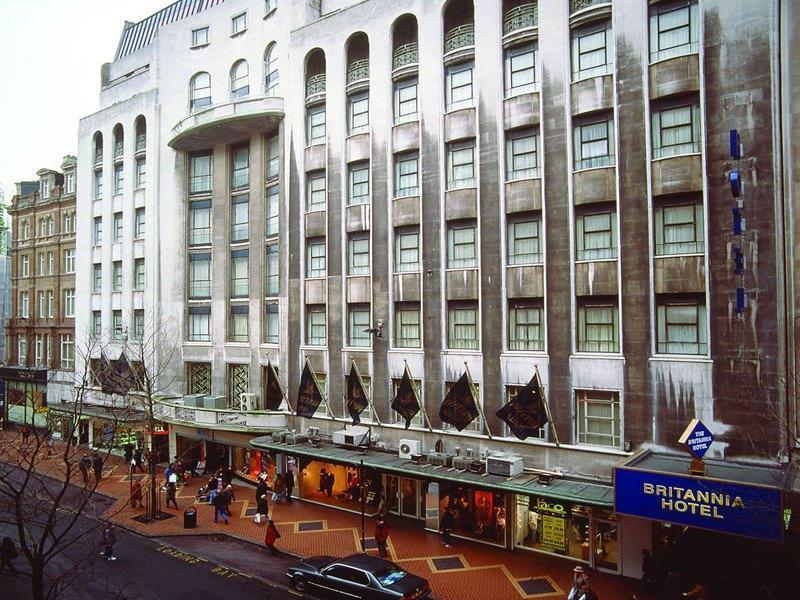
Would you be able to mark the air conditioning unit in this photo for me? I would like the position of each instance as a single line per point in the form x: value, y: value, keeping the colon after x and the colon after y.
x: 440, y: 459
x: 505, y: 466
x: 462, y: 462
x: 409, y: 447
x: 195, y: 400
x: 279, y: 437
x: 351, y: 436
x: 247, y: 401
x: 296, y: 438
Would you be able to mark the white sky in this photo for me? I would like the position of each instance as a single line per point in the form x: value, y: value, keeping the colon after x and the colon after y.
x: 50, y: 57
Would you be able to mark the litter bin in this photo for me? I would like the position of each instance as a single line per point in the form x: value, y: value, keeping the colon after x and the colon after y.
x: 190, y: 518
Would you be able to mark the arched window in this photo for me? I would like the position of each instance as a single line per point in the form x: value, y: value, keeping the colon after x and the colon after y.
x: 240, y: 86
x: 200, y: 91
x: 271, y: 70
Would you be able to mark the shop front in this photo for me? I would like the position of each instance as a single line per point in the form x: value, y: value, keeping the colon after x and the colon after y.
x: 24, y: 395
x: 339, y: 485
x: 478, y: 514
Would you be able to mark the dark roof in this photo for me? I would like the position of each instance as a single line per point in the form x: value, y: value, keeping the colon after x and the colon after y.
x: 141, y: 34
x: 26, y: 188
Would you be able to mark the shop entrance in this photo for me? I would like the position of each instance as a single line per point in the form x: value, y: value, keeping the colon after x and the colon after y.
x: 216, y: 456
x: 405, y: 496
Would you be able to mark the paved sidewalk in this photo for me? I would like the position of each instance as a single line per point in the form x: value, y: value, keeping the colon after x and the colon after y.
x: 466, y: 571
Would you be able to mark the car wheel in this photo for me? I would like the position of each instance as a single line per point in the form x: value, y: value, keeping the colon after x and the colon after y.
x: 300, y: 584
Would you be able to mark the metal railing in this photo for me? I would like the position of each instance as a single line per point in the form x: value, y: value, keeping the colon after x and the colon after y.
x: 98, y: 157
x: 315, y: 85
x: 357, y: 70
x: 459, y: 37
x: 576, y: 5
x: 118, y: 149
x: 141, y: 142
x: 521, y: 17
x: 407, y: 54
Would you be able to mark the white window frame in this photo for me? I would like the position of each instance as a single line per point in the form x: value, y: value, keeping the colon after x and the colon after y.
x: 316, y: 324
x: 358, y: 183
x: 460, y: 86
x: 665, y: 344
x: 660, y: 26
x: 69, y: 303
x: 514, y: 87
x: 406, y: 173
x: 609, y: 403
x: 199, y: 91
x: 139, y: 274
x: 358, y: 319
x: 67, y: 351
x: 139, y: 223
x: 200, y: 37
x: 316, y: 191
x: 357, y: 113
x: 238, y: 23
x: 590, y: 326
x: 116, y: 276
x: 240, y: 80
x: 69, y: 260
x: 117, y: 227
x: 316, y: 125
x: 581, y: 41
x: 405, y: 104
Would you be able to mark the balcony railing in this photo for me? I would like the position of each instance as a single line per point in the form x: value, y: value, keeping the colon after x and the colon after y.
x: 358, y: 70
x: 141, y: 142
x: 98, y: 157
x: 521, y: 17
x: 407, y: 54
x: 172, y: 410
x: 315, y: 85
x: 576, y: 5
x: 118, y: 149
x: 459, y: 37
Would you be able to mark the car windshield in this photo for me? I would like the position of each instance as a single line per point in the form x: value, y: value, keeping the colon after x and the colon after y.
x: 389, y: 575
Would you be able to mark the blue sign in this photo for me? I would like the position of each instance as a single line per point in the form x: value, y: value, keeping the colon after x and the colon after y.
x: 722, y: 506
x: 697, y: 438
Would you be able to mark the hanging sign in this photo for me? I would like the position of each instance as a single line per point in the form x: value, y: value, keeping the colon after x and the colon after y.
x: 697, y: 438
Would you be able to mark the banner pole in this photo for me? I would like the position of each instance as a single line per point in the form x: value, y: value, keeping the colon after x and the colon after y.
x: 369, y: 398
x: 421, y: 404
x: 478, y: 405
x: 546, y: 405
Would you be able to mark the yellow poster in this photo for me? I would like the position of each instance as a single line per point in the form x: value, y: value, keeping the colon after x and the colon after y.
x: 554, y: 532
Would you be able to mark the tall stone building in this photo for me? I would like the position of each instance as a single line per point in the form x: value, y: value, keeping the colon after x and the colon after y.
x: 498, y: 187
x: 40, y: 333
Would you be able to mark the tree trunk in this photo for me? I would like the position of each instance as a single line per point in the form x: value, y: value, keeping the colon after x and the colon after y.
x: 37, y: 581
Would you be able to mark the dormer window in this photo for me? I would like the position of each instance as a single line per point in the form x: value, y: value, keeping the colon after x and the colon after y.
x: 45, y: 188
x: 69, y: 183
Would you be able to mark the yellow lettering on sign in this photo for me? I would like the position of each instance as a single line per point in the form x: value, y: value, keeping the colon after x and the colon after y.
x: 648, y: 488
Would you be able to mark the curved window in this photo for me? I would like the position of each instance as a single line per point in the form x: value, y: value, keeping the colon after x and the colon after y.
x: 200, y: 91
x: 240, y: 86
x: 271, y: 70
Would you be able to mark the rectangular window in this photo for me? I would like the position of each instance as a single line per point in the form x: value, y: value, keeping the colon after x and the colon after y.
x: 458, y: 86
x: 199, y: 324
x: 50, y: 304
x: 199, y: 37
x: 461, y: 165
x: 598, y: 327
x: 596, y: 236
x: 42, y: 306
x: 97, y: 233
x: 272, y: 323
x: 138, y: 274
x: 407, y: 325
x: 594, y: 145
x: 461, y: 246
x: 315, y: 325
x: 199, y: 275
x: 22, y: 350
x: 406, y: 250
x: 97, y: 277
x: 358, y: 183
x: 406, y: 174
x: 674, y: 29
x: 511, y: 393
x: 273, y: 211
x: 45, y: 189
x: 357, y: 321
x: 239, y: 23
x: 138, y: 324
x: 97, y: 322
x: 273, y: 158
x: 271, y: 279
x: 269, y: 6
x: 138, y: 223
x: 69, y: 183
x: 681, y: 326
x: 592, y: 51
x: 676, y: 130
x: 42, y: 265
x: 25, y: 264
x: 200, y: 174
x: 598, y: 418
x: 357, y: 113
x: 67, y: 351
x: 240, y: 167
x: 50, y: 263
x: 520, y: 69
x: 419, y: 418
x: 24, y: 305
x: 679, y: 229
x: 69, y: 303
x: 524, y: 242
x: 315, y: 125
x: 405, y: 100
x: 119, y: 178
x: 240, y: 218
x: 522, y: 155
x: 358, y: 254
x: 38, y: 349
x: 525, y: 327
x: 200, y: 223
x: 239, y: 324
x: 240, y: 273
x: 98, y: 184
x: 117, y: 227
x: 116, y: 276
x: 315, y: 191
x: 315, y: 258
x: 141, y: 173
x: 117, y: 332
x: 462, y: 326
x: 69, y: 260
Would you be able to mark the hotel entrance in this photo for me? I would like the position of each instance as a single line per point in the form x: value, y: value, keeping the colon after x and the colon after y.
x: 405, y: 496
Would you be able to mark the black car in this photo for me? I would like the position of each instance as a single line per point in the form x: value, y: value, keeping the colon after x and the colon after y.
x: 358, y: 576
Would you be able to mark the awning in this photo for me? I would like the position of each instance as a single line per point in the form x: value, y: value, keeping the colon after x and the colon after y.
x: 562, y: 489
x: 93, y: 411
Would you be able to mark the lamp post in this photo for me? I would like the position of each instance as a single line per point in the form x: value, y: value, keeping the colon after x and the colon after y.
x: 363, y: 516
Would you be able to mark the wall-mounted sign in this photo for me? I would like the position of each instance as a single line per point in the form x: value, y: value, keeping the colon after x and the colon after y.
x: 697, y: 438
x: 740, y: 509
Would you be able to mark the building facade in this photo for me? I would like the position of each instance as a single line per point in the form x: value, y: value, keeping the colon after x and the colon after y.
x: 40, y: 332
x: 498, y: 187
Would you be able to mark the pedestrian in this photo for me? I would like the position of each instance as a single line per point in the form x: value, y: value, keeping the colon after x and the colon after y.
x: 109, y: 539
x: 221, y: 501
x: 323, y: 480
x: 278, y: 488
x: 648, y: 570
x: 271, y: 536
x: 585, y: 592
x: 84, y: 465
x: 137, y: 459
x: 50, y: 444
x: 128, y: 452
x: 288, y: 482
x: 383, y: 506
x: 579, y: 578
x: 136, y: 494
x: 329, y: 484
x: 447, y: 527
x: 381, y: 536
x: 171, y: 494
x: 97, y: 467
x: 262, y: 507
x: 8, y: 552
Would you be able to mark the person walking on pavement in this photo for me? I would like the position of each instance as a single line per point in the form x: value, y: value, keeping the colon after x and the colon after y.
x: 381, y: 536
x: 109, y: 539
x: 128, y: 452
x: 221, y: 502
x: 278, y: 488
x: 136, y: 494
x: 288, y: 482
x: 271, y: 537
x: 262, y: 507
x: 50, y: 444
x: 26, y: 432
x: 8, y: 553
x: 447, y: 528
x: 137, y: 459
x: 171, y: 494
x: 97, y: 467
x: 579, y: 578
x: 84, y: 465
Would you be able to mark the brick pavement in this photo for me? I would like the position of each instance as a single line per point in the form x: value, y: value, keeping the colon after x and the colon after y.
x: 308, y: 529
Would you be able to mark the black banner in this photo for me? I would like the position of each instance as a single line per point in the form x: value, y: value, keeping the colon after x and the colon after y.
x: 525, y: 413
x: 458, y: 407
x: 406, y: 401
x: 356, y: 396
x: 273, y: 392
x: 308, y: 395
x: 105, y: 375
x: 125, y: 379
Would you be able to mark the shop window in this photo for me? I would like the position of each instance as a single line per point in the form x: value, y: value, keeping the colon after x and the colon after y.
x: 340, y: 486
x: 477, y: 514
x: 553, y: 527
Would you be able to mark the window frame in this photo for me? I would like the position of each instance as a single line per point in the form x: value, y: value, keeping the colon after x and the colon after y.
x: 240, y: 167
x: 582, y: 33
x: 314, y: 312
x: 200, y: 211
x: 355, y: 118
x: 198, y: 288
x: 313, y: 192
x: 525, y: 343
x: 198, y: 330
x: 692, y: 46
x: 463, y: 309
x: 239, y: 283
x: 696, y: 245
x: 238, y: 23
x: 238, y: 324
x: 196, y: 41
x: 272, y: 280
x: 239, y: 218
x: 590, y: 306
x: 356, y: 336
x: 513, y: 241
x: 596, y: 161
x: 509, y: 56
x: 455, y: 150
x: 694, y: 126
x: 401, y: 233
x: 313, y: 258
x: 402, y: 311
x: 240, y: 80
x: 203, y: 183
x: 462, y: 263
x: 200, y: 91
x: 399, y: 103
x: 355, y: 185
x: 666, y: 346
x: 583, y: 400
x: 451, y: 73
x: 582, y: 253
x: 512, y: 139
x: 361, y: 242
x: 316, y: 131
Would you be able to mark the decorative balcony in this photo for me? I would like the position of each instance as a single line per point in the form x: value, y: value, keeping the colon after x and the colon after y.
x: 576, y: 5
x: 227, y: 123
x: 523, y: 16
x: 119, y: 148
x: 172, y: 410
x: 407, y: 54
x: 459, y: 37
x: 98, y: 157
x: 141, y: 142
x: 315, y: 85
x: 358, y: 70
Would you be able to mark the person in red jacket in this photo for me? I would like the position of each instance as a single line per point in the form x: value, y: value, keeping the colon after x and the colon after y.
x: 381, y: 536
x: 271, y: 537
